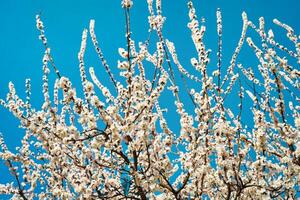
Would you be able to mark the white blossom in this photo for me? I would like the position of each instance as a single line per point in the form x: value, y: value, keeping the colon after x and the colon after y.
x: 126, y: 141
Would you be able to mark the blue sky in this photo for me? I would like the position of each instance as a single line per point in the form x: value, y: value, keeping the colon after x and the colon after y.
x: 21, y: 52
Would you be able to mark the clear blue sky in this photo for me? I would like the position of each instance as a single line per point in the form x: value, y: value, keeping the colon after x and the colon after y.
x: 21, y: 52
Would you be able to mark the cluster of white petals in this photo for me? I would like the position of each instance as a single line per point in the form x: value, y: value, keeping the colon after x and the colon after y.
x: 116, y: 142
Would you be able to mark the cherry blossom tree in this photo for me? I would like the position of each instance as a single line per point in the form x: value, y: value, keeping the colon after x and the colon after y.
x: 115, y: 142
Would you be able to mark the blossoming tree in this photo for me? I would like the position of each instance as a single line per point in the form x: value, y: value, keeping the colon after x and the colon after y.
x: 117, y: 144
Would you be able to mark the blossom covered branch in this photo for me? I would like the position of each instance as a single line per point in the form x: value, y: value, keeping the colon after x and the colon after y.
x: 120, y: 145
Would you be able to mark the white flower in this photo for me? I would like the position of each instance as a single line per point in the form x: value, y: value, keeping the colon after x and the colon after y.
x: 123, y: 53
x: 127, y: 3
x: 64, y: 83
x: 297, y: 122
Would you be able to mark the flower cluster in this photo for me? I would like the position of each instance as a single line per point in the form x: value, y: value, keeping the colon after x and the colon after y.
x: 116, y: 142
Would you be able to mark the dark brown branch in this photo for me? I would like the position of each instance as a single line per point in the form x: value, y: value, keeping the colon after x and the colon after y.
x: 14, y: 173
